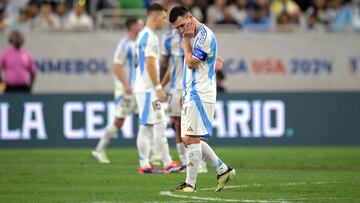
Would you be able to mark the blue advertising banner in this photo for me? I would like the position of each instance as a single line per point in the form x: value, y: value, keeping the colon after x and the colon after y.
x: 78, y: 120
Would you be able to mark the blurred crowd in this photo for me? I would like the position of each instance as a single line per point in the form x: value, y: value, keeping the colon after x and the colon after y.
x: 258, y: 15
x: 29, y: 15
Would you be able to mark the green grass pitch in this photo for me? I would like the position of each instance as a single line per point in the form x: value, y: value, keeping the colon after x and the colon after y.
x: 264, y: 174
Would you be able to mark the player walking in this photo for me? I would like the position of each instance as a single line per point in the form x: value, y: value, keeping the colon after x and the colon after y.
x: 199, y: 97
x: 124, y: 99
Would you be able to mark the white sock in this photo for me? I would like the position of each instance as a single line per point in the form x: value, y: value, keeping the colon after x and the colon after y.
x: 154, y: 151
x: 143, y: 145
x: 162, y: 143
x: 110, y: 132
x: 194, y: 155
x: 182, y: 153
x: 212, y: 159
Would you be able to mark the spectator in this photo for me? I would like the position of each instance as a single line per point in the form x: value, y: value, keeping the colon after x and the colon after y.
x: 78, y: 20
x: 258, y: 20
x: 332, y: 8
x: 238, y: 11
x: 17, y: 65
x: 47, y: 20
x: 22, y: 23
x: 313, y: 23
x: 61, y: 12
x: 3, y: 21
x: 279, y: 7
x: 346, y: 15
x: 316, y: 14
x: 194, y: 9
x: 217, y: 13
x: 220, y: 76
x: 33, y: 10
x: 285, y: 22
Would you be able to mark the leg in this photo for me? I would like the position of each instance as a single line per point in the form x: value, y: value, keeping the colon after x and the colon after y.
x: 212, y: 159
x: 110, y: 132
x: 143, y: 145
x: 225, y: 173
x: 194, y: 155
x: 179, y: 144
x: 162, y: 143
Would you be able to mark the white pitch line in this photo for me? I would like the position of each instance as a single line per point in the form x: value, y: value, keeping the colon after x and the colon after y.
x: 170, y: 194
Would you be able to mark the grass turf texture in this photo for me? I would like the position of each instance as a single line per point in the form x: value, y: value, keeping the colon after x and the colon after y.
x: 296, y: 174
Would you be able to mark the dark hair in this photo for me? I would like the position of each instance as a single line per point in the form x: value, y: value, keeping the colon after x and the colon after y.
x: 176, y: 12
x: 130, y: 21
x: 155, y: 8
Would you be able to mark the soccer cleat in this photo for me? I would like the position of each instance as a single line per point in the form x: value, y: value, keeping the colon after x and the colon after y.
x: 149, y: 170
x: 100, y: 156
x: 184, y: 187
x: 224, y: 178
x: 173, y: 167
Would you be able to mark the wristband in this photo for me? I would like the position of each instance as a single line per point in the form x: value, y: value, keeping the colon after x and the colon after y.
x: 158, y: 87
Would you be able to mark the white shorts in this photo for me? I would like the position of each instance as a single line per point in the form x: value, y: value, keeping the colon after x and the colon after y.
x: 197, y: 118
x: 174, y: 110
x: 125, y: 105
x: 151, y: 110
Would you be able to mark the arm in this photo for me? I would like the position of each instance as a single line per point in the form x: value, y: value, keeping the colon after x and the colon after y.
x: 150, y: 65
x: 119, y: 73
x: 165, y: 64
x: 191, y: 61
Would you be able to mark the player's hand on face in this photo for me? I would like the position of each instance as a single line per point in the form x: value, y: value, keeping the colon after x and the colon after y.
x: 189, y: 30
x: 161, y: 94
x: 128, y: 89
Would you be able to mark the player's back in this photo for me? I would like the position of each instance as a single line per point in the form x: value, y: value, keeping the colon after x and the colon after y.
x: 124, y: 55
x: 172, y: 46
x: 200, y: 82
x: 147, y: 45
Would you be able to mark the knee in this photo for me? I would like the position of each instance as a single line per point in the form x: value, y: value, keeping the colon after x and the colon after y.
x: 187, y: 140
x: 119, y: 122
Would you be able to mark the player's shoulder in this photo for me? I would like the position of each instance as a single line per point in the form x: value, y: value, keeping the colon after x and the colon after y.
x: 204, y: 35
x: 123, y: 42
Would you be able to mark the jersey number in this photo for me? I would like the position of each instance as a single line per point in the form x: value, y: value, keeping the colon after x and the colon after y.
x: 156, y: 105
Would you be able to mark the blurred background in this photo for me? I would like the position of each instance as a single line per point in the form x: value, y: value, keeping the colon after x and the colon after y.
x: 290, y: 73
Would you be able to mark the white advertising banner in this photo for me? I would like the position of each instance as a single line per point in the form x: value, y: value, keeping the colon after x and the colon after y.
x: 253, y: 62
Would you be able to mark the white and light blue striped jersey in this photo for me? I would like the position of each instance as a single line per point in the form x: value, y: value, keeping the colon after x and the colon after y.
x: 200, y: 83
x: 147, y: 45
x: 171, y: 45
x: 124, y: 55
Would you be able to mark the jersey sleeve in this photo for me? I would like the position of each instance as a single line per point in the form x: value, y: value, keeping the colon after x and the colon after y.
x: 152, y: 47
x: 201, y: 49
x: 120, y: 53
x: 166, y: 44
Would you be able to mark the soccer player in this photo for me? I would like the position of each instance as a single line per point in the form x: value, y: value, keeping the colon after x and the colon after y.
x: 173, y: 59
x: 149, y: 93
x: 199, y: 97
x: 124, y: 98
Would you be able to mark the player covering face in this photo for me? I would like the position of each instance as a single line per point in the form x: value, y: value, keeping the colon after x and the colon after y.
x: 199, y: 97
